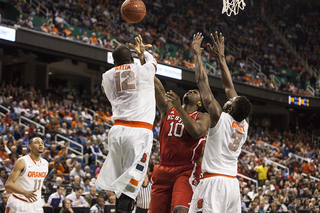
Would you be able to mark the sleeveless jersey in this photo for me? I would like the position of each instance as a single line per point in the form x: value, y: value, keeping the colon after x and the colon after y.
x: 130, y: 90
x: 223, y: 146
x: 32, y: 176
x: 177, y: 147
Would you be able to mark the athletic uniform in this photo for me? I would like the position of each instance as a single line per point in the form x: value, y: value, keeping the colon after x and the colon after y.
x: 218, y: 191
x: 30, y: 178
x: 130, y: 90
x: 178, y: 173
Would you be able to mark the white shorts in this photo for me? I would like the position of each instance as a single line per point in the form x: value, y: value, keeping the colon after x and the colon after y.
x: 127, y: 162
x: 216, y: 195
x: 14, y: 205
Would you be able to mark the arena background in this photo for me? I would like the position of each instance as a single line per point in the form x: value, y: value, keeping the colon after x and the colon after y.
x: 58, y: 63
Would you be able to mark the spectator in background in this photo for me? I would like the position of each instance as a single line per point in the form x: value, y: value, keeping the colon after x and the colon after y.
x: 66, y: 207
x: 47, y: 140
x: 76, y: 198
x: 3, y: 177
x: 3, y: 205
x: 20, y: 146
x: 7, y: 119
x: 76, y: 183
x: 95, y: 149
x: 91, y: 195
x: 59, y: 194
x: 47, y: 156
x: 93, y: 39
x: 77, y: 171
x: 3, y: 154
x: 25, y: 139
x: 98, y: 206
x: 71, y: 162
x: 262, y: 173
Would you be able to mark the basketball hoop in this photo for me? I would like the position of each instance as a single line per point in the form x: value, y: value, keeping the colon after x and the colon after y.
x: 232, y: 6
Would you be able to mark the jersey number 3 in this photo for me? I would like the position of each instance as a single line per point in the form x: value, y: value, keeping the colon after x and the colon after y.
x: 123, y: 79
x: 236, y: 142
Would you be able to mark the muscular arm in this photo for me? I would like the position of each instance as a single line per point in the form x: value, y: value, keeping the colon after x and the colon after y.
x: 218, y: 50
x: 226, y: 78
x: 161, y: 102
x: 17, y: 169
x: 210, y: 103
x: 196, y: 128
x: 11, y: 186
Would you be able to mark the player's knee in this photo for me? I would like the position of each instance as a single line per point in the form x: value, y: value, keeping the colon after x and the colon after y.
x: 179, y: 209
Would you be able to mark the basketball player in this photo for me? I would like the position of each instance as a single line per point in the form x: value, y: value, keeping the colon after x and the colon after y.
x: 26, y: 179
x: 130, y: 90
x: 218, y: 191
x: 181, y: 140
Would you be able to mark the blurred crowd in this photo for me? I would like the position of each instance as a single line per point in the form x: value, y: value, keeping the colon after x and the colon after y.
x: 174, y: 24
x: 86, y: 123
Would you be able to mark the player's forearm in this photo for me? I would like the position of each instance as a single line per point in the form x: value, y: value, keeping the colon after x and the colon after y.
x: 225, y: 73
x: 192, y: 127
x: 14, y: 188
x: 142, y: 58
x: 200, y: 72
x: 202, y: 81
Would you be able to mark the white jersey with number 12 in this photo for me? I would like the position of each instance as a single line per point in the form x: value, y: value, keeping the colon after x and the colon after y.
x: 130, y: 90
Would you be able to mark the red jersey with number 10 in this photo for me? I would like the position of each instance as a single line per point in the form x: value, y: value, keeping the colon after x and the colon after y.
x: 177, y: 147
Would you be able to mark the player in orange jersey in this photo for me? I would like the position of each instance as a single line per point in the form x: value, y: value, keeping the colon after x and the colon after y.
x: 26, y: 180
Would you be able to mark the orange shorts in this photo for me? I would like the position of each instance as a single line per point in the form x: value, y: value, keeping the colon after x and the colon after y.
x: 173, y: 186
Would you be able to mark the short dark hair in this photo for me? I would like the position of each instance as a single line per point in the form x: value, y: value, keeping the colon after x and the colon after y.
x: 77, y: 188
x: 60, y: 186
x: 242, y: 109
x: 122, y: 55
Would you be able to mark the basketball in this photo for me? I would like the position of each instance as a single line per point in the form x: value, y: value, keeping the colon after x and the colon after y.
x: 133, y: 11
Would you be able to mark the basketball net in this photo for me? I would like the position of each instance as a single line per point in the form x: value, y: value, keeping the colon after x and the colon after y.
x: 232, y: 6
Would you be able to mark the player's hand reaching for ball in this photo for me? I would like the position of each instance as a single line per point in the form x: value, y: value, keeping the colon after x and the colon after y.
x: 174, y: 99
x: 196, y: 43
x: 217, y: 47
x: 139, y: 47
x: 30, y: 195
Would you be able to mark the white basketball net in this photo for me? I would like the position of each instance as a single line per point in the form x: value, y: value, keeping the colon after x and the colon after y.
x: 232, y: 6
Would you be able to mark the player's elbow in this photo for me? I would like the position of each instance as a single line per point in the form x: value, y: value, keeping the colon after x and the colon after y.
x: 8, y: 185
x: 197, y: 134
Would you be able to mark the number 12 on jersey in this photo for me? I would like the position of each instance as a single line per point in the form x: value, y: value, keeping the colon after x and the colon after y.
x: 123, y: 79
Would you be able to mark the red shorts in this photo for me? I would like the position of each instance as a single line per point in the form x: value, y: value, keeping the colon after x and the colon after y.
x: 173, y: 186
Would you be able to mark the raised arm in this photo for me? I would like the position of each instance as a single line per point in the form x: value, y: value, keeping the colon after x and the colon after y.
x: 11, y: 186
x: 196, y: 128
x: 210, y: 103
x: 140, y: 50
x: 162, y: 104
x: 217, y: 49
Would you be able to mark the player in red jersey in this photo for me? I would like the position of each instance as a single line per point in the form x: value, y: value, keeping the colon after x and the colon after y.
x: 181, y: 138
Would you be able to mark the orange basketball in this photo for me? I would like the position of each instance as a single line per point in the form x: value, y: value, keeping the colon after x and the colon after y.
x: 133, y: 11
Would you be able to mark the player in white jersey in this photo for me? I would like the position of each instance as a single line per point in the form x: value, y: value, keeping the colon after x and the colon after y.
x: 26, y: 180
x: 218, y: 191
x: 130, y: 90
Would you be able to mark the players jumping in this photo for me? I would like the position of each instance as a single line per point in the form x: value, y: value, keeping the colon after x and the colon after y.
x: 219, y: 191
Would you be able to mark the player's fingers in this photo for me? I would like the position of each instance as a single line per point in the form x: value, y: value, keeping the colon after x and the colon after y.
x: 212, y: 38
x: 148, y: 45
x: 216, y: 36
x: 140, y: 38
x: 222, y: 40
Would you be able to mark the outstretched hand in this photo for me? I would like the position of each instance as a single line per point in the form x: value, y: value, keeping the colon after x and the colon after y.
x: 174, y: 99
x: 196, y: 43
x: 139, y: 47
x: 217, y: 48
